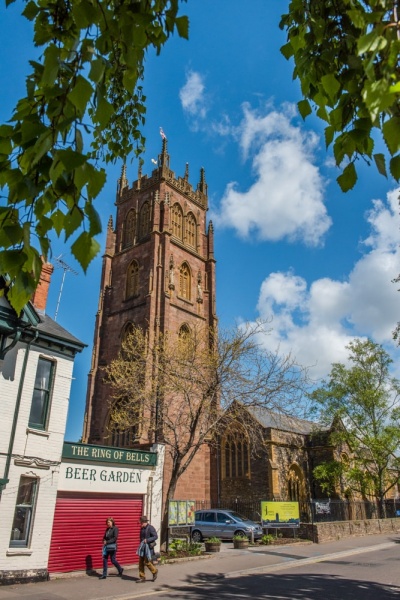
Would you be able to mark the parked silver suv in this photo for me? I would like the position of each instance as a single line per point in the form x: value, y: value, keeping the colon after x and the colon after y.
x: 223, y: 524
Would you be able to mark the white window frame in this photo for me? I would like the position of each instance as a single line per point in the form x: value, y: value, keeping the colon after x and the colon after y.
x: 16, y: 541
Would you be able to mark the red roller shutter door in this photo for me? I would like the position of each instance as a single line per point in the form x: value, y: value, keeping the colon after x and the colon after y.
x: 79, y: 525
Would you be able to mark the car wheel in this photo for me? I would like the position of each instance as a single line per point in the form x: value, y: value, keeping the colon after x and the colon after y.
x: 196, y: 536
x: 240, y: 532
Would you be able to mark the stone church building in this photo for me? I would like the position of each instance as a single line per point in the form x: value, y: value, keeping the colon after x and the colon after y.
x: 281, y: 466
x: 158, y: 273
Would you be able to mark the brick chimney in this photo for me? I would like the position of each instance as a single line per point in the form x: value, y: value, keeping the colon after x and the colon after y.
x: 39, y: 298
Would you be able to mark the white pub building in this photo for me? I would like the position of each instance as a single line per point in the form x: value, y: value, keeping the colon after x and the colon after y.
x: 95, y: 483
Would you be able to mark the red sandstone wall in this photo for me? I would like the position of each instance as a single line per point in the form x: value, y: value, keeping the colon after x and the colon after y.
x: 195, y: 482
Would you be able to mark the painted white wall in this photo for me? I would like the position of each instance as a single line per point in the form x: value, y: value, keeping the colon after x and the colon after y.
x: 38, y: 454
x: 35, y: 453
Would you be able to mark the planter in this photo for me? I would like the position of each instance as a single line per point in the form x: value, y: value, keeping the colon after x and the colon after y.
x: 240, y: 544
x: 212, y: 546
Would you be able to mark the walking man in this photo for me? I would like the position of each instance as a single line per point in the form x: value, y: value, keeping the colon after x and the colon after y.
x: 148, y: 536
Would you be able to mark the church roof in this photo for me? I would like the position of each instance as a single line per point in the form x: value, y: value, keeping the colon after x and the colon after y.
x: 274, y: 420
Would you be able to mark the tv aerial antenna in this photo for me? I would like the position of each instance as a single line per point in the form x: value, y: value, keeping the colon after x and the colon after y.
x: 66, y: 268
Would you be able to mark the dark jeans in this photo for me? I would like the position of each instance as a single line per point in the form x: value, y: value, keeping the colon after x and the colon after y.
x: 111, y: 554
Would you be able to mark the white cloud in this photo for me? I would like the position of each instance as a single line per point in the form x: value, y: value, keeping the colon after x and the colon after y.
x: 286, y: 199
x: 192, y: 96
x: 317, y: 323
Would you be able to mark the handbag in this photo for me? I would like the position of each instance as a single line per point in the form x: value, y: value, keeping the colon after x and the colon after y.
x: 111, y: 547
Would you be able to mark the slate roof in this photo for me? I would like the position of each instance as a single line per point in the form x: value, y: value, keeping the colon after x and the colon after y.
x: 274, y: 420
x: 32, y: 321
x: 52, y: 329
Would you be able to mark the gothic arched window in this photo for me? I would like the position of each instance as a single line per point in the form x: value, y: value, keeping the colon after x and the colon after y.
x: 121, y: 436
x: 191, y: 238
x: 295, y: 484
x: 345, y: 465
x: 177, y: 221
x: 184, y: 281
x: 129, y: 228
x: 127, y: 331
x: 184, y: 331
x: 235, y: 455
x: 132, y: 280
x: 144, y: 220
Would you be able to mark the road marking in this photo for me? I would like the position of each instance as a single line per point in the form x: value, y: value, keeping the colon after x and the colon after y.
x: 299, y: 562
x: 290, y: 563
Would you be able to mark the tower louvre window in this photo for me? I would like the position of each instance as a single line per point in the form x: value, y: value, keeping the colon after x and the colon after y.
x: 132, y: 280
x: 191, y: 230
x: 144, y: 220
x: 123, y: 438
x: 122, y: 434
x: 129, y: 228
x: 184, y: 281
x: 177, y: 221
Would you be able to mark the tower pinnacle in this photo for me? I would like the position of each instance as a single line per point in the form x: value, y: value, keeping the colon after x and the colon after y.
x: 202, y: 185
x: 163, y: 158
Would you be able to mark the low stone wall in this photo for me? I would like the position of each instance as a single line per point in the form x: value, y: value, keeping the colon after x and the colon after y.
x: 32, y: 576
x: 328, y: 532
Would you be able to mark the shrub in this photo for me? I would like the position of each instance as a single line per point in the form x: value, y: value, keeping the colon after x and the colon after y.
x: 267, y: 539
x: 184, y: 546
x: 239, y: 537
x: 213, y: 540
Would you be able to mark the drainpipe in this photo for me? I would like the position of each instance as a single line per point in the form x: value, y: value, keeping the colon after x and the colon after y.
x: 5, y: 480
x: 218, y: 477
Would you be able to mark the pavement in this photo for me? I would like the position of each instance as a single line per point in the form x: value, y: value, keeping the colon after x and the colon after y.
x: 226, y: 564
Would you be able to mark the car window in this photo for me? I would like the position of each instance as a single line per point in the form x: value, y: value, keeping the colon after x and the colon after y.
x: 222, y: 517
x: 209, y: 516
x: 198, y: 516
x: 238, y: 517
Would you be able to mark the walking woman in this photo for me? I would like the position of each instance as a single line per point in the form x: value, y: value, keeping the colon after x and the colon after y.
x: 110, y: 548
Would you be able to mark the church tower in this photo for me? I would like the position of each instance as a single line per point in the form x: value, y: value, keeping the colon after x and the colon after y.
x: 158, y: 273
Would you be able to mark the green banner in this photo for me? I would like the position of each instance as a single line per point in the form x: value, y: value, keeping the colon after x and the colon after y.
x: 87, y: 452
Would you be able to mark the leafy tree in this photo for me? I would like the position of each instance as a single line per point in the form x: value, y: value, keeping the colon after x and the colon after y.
x: 177, y: 390
x: 396, y: 332
x: 364, y: 399
x: 346, y: 55
x: 85, y: 85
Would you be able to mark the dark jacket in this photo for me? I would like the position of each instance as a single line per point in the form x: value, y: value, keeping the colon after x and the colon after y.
x: 111, y: 535
x: 148, y: 533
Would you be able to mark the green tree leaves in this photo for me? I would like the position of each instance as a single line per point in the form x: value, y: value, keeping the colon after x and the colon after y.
x: 363, y: 402
x: 346, y: 55
x: 84, y: 90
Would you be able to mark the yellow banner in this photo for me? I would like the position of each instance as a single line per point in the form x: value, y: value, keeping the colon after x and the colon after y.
x: 280, y: 514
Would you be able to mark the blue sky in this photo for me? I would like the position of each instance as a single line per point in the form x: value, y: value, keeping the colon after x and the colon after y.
x: 289, y: 245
